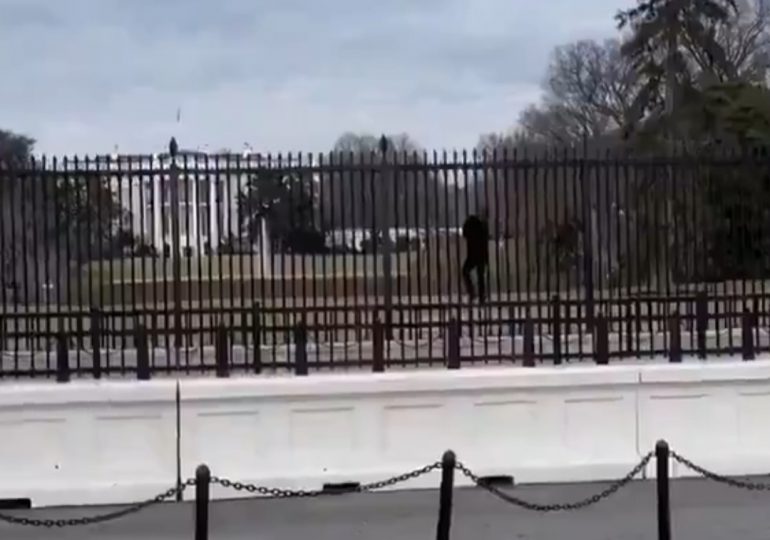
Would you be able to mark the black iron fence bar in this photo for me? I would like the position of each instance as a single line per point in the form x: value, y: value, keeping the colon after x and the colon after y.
x: 62, y: 359
x: 143, y: 369
x: 747, y: 335
x: 675, y: 342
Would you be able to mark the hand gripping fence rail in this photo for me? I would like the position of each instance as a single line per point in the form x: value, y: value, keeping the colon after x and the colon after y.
x: 448, y: 465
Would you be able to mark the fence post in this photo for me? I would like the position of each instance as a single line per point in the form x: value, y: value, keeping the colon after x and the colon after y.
x: 256, y: 337
x: 96, y: 337
x: 701, y: 322
x: 747, y: 334
x: 378, y: 345
x: 529, y: 342
x: 661, y: 479
x: 638, y: 321
x: 448, y: 463
x: 62, y: 358
x: 300, y: 345
x: 383, y: 226
x: 142, y: 353
x: 586, y: 185
x: 176, y: 247
x: 675, y: 340
x: 601, y: 341
x: 629, y: 329
x: 220, y: 352
x: 556, y: 329
x: 202, y: 482
x: 453, y: 334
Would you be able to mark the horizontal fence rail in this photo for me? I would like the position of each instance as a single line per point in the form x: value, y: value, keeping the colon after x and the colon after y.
x: 100, y: 343
x: 362, y: 258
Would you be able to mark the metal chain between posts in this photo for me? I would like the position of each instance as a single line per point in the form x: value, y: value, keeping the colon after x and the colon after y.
x: 271, y: 492
x: 752, y: 486
x: 557, y: 507
x: 279, y: 493
x: 100, y: 518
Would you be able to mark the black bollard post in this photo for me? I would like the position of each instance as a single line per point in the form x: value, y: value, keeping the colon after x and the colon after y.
x: 529, y: 343
x: 202, y: 482
x: 701, y: 322
x: 747, y: 334
x: 142, y: 353
x: 96, y: 338
x: 675, y: 339
x: 453, y: 341
x: 556, y: 329
x: 378, y: 346
x: 448, y: 463
x: 661, y: 478
x: 62, y: 359
x: 300, y: 345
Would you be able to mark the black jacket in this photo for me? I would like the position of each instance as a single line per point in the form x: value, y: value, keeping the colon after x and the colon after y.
x: 476, y: 234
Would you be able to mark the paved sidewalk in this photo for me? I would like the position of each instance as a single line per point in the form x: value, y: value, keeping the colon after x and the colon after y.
x: 701, y: 510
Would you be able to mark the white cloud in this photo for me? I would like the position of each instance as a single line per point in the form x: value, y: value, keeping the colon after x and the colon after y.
x: 280, y: 74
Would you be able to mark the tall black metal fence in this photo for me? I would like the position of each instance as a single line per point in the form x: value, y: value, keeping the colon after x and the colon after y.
x: 183, y: 242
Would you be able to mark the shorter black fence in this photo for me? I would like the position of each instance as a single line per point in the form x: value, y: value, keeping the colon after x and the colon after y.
x: 203, y: 480
x: 559, y: 334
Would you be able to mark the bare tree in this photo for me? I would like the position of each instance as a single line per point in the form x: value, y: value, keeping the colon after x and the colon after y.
x: 745, y: 39
x: 587, y: 93
x: 349, y: 190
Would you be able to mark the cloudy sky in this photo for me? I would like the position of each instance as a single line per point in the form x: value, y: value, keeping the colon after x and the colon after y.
x: 82, y: 76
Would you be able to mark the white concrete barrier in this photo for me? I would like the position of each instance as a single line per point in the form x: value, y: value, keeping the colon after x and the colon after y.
x: 87, y: 442
x: 97, y: 442
x: 535, y: 425
x: 713, y: 413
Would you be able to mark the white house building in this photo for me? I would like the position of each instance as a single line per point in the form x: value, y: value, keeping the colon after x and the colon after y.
x: 208, y: 190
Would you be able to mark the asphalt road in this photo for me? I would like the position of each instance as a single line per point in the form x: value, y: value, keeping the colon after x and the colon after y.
x: 701, y: 510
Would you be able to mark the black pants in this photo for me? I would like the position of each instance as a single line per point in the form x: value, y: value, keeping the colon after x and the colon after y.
x: 480, y: 266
